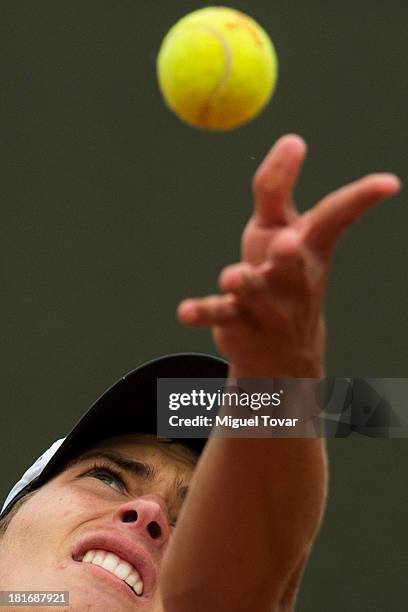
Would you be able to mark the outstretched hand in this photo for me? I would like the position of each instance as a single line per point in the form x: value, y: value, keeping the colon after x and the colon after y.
x: 269, y: 320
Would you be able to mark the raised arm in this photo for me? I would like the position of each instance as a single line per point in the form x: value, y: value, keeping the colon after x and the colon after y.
x: 255, y: 505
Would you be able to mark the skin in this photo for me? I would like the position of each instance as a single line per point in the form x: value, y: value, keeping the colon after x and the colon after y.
x: 247, y: 527
x: 253, y: 540
x: 37, y: 546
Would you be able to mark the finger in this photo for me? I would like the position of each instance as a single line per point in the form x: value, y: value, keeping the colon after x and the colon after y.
x: 255, y: 294
x: 286, y: 258
x: 286, y: 263
x: 240, y: 279
x: 286, y: 245
x: 275, y: 179
x: 208, y: 311
x: 324, y: 223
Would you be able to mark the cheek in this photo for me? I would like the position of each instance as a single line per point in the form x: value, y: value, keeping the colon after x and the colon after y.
x: 46, y: 522
x: 73, y: 508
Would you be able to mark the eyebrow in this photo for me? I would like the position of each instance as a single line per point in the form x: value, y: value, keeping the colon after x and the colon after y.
x: 141, y: 469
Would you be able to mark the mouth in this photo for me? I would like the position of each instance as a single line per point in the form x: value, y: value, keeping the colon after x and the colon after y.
x: 116, y: 567
x: 119, y: 560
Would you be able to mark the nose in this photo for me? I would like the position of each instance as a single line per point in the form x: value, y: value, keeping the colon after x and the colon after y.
x: 145, y: 516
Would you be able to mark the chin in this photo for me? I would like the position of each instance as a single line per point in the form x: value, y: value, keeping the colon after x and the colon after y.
x: 95, y: 598
x: 88, y: 600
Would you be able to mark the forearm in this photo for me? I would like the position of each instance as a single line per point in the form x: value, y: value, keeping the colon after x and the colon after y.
x: 249, y: 521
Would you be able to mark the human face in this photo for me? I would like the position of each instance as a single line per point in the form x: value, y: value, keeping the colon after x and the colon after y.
x: 131, y: 514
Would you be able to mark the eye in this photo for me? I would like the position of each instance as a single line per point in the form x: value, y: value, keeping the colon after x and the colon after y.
x: 109, y: 477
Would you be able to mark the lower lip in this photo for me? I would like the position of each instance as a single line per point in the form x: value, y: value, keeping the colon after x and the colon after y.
x: 116, y: 582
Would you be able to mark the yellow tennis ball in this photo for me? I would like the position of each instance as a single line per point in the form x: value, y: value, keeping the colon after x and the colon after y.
x: 217, y: 68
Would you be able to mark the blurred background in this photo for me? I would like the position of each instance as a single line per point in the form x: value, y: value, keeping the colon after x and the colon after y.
x: 112, y: 211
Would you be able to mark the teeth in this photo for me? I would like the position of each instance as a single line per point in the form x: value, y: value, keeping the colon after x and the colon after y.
x: 138, y: 588
x: 110, y: 562
x: 123, y: 570
x: 89, y: 556
x: 116, y: 566
x: 131, y: 579
x: 99, y: 557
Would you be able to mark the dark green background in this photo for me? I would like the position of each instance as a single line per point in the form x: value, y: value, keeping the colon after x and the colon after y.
x: 113, y: 211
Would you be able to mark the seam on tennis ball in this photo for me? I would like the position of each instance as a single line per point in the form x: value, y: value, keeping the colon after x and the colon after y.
x: 204, y: 112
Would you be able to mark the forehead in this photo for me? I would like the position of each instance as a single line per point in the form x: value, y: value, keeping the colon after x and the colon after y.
x: 147, y: 448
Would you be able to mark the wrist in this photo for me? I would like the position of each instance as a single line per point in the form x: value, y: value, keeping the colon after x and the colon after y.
x: 300, y: 370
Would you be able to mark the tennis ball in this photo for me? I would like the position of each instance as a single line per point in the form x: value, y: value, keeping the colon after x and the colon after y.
x: 217, y: 68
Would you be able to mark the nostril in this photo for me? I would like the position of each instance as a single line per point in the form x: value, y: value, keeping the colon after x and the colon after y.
x: 130, y: 516
x: 154, y: 530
